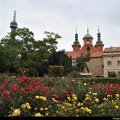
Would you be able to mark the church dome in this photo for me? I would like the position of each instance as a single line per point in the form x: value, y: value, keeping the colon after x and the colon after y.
x: 88, y: 35
x: 76, y: 43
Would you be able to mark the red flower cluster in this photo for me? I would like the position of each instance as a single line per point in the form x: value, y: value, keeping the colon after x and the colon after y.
x: 56, y: 96
x: 14, y: 87
x: 108, y: 88
x: 12, y: 90
x: 24, y: 79
x: 6, y: 95
x: 5, y: 83
x: 117, y: 86
x: 66, y: 92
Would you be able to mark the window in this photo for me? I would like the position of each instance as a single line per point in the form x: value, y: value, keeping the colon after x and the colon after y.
x: 118, y: 62
x: 109, y: 63
x: 88, y: 49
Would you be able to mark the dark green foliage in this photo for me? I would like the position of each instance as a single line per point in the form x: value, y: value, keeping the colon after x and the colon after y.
x: 56, y: 71
x: 74, y: 74
x: 81, y: 62
x: 19, y: 49
x: 2, y: 58
x: 112, y: 74
x: 60, y: 58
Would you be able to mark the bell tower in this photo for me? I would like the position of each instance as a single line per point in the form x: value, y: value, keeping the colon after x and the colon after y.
x: 99, y: 44
x: 88, y: 41
x: 76, y: 45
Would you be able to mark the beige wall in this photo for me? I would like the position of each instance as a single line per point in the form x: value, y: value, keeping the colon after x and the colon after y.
x: 96, y: 66
x: 114, y: 58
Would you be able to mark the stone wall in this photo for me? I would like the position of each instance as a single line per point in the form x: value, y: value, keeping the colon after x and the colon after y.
x: 95, y: 66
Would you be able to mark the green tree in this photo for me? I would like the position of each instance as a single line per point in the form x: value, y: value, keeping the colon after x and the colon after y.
x: 81, y: 62
x: 2, y: 58
x: 23, y: 51
x: 45, y: 48
x: 18, y: 43
x: 60, y: 58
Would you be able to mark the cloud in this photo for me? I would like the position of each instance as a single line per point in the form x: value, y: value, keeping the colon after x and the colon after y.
x: 61, y: 16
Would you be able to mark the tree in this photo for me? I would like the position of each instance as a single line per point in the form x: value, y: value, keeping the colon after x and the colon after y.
x: 45, y: 48
x: 2, y: 58
x: 81, y: 62
x: 23, y: 51
x: 60, y: 58
x: 18, y: 43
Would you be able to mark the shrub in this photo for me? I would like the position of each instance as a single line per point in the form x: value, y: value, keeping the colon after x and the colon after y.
x: 55, y: 70
x: 112, y: 74
x: 37, y: 96
x: 74, y: 74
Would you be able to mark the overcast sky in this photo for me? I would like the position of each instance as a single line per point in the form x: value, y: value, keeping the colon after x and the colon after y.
x: 62, y: 16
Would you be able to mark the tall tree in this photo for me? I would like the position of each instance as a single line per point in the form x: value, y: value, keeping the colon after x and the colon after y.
x: 81, y: 62
x: 47, y: 47
x: 18, y: 43
x: 23, y: 51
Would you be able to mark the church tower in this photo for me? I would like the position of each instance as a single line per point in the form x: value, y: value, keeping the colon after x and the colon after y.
x: 13, y: 24
x: 88, y: 41
x: 76, y: 45
x: 99, y: 44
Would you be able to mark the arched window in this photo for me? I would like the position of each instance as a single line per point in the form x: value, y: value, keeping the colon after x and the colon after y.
x: 88, y: 49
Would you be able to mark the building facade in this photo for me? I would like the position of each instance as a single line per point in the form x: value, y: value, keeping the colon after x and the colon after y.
x: 111, y: 59
x: 102, y: 61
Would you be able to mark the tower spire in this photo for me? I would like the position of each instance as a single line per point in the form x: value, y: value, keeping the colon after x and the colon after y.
x: 99, y: 34
x: 76, y: 29
x: 98, y: 30
x: 13, y: 24
x: 76, y: 37
x: 99, y: 37
x: 76, y: 45
x: 14, y: 17
x: 87, y: 30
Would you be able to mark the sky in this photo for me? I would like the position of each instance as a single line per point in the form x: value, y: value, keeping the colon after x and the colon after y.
x: 62, y: 17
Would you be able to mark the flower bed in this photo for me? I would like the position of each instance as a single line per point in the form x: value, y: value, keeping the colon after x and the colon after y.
x: 58, y: 97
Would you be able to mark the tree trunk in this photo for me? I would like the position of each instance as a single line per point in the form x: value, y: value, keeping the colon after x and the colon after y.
x: 87, y: 67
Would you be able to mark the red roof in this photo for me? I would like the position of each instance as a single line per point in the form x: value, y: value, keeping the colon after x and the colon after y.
x: 94, y: 52
x: 73, y: 54
x: 112, y: 49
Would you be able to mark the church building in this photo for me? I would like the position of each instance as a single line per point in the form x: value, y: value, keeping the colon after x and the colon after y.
x: 95, y: 65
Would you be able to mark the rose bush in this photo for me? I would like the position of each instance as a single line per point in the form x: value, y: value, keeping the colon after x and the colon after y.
x: 25, y: 96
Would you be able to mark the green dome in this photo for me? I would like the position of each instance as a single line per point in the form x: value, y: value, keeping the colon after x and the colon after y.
x: 99, y: 42
x: 88, y: 35
x: 76, y: 42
